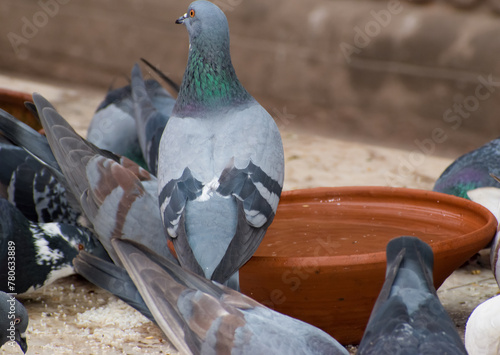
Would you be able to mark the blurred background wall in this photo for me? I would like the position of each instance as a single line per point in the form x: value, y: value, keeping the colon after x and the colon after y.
x: 419, y: 75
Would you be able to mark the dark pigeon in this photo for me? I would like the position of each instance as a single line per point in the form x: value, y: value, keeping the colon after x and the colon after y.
x: 34, y: 185
x: 471, y: 171
x: 13, y: 322
x: 33, y: 188
x: 43, y: 252
x: 408, y: 317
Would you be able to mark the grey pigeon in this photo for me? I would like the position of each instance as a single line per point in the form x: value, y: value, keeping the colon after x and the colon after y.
x: 471, y: 171
x: 221, y: 165
x: 408, y: 317
x: 117, y: 196
x: 203, y: 317
x: 150, y: 120
x: 114, y: 127
x: 43, y: 252
x: 13, y: 322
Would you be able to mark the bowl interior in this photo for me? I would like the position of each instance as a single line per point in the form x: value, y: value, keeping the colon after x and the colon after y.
x: 362, y: 220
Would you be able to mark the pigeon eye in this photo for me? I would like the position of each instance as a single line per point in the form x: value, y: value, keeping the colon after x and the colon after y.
x: 17, y: 320
x: 81, y: 246
x: 191, y: 13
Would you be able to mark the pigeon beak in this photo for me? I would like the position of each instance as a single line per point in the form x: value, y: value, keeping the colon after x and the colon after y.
x: 182, y: 19
x: 21, y: 340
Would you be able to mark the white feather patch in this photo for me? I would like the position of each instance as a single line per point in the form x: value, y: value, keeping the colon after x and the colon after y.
x: 46, y: 255
x: 208, y: 190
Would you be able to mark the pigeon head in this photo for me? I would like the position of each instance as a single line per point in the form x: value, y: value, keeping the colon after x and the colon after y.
x: 207, y: 25
x: 14, y: 321
x: 209, y: 82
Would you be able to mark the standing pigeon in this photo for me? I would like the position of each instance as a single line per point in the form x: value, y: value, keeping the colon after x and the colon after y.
x: 221, y: 165
x: 13, y: 322
x: 41, y: 252
x: 408, y: 317
x: 203, y: 317
x: 113, y: 126
x: 471, y: 170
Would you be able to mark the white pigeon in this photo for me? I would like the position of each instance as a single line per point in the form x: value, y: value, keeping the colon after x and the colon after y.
x: 482, y: 331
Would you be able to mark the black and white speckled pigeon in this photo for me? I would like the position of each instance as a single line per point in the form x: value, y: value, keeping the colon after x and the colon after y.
x: 43, y: 252
x: 203, y: 317
x: 150, y: 120
x: 33, y: 188
x: 471, y: 171
x: 408, y: 317
x: 117, y: 196
x: 23, y: 135
x: 13, y: 322
x: 221, y: 165
x: 114, y: 127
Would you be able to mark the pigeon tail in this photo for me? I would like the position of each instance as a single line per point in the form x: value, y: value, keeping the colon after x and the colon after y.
x: 112, y: 278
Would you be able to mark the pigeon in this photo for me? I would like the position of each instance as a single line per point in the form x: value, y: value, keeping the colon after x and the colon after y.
x: 23, y: 135
x: 38, y: 189
x: 33, y: 188
x: 117, y: 196
x: 200, y: 316
x: 489, y: 197
x: 34, y: 255
x: 482, y: 331
x: 114, y: 127
x: 407, y: 317
x: 221, y: 162
x: 471, y: 171
x: 13, y: 322
x: 149, y: 120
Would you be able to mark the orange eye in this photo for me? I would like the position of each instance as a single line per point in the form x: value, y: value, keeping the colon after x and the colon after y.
x: 191, y: 13
x: 81, y: 247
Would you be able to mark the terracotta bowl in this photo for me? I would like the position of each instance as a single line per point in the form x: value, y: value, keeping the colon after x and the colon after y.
x: 13, y: 102
x: 323, y: 258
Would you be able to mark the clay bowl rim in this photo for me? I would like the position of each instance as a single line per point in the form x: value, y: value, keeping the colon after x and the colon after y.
x: 323, y: 193
x: 15, y: 95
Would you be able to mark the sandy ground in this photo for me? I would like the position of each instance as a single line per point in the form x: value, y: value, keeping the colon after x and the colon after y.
x: 73, y: 316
